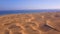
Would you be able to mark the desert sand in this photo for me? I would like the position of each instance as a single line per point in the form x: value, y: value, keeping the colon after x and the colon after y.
x: 32, y: 23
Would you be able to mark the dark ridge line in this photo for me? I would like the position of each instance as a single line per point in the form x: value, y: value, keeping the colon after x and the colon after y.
x: 53, y: 28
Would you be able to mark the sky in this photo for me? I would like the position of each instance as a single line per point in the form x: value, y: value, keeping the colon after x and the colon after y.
x: 29, y: 4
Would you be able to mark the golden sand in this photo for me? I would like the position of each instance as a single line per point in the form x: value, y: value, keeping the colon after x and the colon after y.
x: 34, y: 23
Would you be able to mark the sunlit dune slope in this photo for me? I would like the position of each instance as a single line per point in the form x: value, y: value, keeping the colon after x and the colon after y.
x: 33, y: 23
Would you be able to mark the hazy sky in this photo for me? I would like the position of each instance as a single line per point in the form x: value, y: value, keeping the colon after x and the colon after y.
x: 29, y: 4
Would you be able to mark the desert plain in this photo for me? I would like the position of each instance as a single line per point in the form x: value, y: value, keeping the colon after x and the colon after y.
x: 30, y: 23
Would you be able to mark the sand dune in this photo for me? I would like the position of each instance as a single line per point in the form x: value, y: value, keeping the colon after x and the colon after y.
x: 34, y: 23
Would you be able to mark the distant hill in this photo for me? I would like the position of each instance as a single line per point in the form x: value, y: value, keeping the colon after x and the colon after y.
x: 3, y: 12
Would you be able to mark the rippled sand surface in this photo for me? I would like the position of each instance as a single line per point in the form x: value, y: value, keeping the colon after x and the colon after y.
x: 34, y: 23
